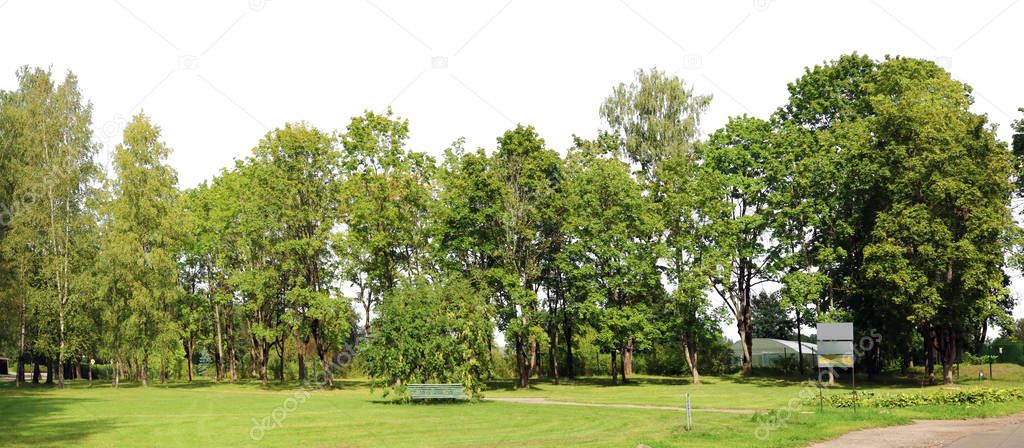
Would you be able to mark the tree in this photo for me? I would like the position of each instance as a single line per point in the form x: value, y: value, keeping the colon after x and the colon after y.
x: 528, y: 174
x: 141, y: 242
x: 305, y: 192
x: 431, y: 333
x: 655, y: 121
x: 741, y: 165
x: 656, y: 116
x: 769, y: 317
x: 386, y: 194
x: 610, y: 252
x: 939, y: 246
x: 48, y: 147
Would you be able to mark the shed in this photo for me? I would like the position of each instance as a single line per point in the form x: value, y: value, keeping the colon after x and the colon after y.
x: 4, y: 366
x: 765, y: 351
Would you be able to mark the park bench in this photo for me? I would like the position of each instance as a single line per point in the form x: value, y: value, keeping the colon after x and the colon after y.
x: 436, y: 391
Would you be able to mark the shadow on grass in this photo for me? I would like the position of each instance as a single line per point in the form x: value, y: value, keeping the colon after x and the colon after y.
x: 442, y: 402
x: 30, y: 418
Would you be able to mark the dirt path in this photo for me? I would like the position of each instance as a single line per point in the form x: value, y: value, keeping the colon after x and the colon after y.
x: 937, y: 433
x: 623, y: 406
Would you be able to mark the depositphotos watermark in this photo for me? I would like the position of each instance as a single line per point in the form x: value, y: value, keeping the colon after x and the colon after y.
x: 779, y: 418
x: 275, y: 419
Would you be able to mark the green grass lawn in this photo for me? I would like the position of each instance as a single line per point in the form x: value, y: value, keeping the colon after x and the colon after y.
x: 205, y: 414
x: 736, y: 392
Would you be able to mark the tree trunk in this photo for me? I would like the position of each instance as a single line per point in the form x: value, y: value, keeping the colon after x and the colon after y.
x: 19, y: 375
x: 232, y: 371
x: 280, y: 358
x: 627, y: 360
x: 570, y: 363
x: 690, y: 351
x: 948, y: 350
x: 615, y: 369
x: 219, y: 354
x: 264, y: 354
x: 929, y: 361
x: 144, y: 374
x: 522, y: 367
x: 189, y: 347
x: 534, y: 369
x: 51, y: 365
x: 553, y: 353
x: 301, y: 353
x: 745, y: 342
x: 322, y: 350
x: 799, y: 344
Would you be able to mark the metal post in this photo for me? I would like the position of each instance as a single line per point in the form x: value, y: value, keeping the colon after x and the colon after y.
x: 689, y: 419
x: 853, y: 379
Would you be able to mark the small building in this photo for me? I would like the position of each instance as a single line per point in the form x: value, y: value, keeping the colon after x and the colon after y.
x: 765, y: 351
x: 4, y: 366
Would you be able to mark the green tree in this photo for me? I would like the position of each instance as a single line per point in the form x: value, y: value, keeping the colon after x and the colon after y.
x: 769, y: 317
x: 611, y: 253
x: 656, y: 122
x: 141, y: 243
x: 656, y: 115
x: 306, y: 196
x: 528, y: 174
x: 48, y: 155
x: 741, y: 166
x: 431, y: 333
x: 939, y: 246
x: 386, y: 194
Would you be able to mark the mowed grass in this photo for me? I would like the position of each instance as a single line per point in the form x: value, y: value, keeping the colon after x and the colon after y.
x: 736, y: 392
x: 206, y: 414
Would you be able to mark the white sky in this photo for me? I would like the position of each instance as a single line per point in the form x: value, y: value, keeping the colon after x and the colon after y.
x: 216, y: 74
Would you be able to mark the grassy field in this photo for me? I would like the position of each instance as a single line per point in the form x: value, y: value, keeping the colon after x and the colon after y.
x: 734, y: 392
x: 205, y: 414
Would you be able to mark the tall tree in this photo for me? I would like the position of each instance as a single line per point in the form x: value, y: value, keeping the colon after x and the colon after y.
x: 47, y: 131
x: 611, y: 254
x: 306, y: 193
x: 387, y: 190
x: 939, y: 245
x: 656, y: 120
x: 741, y: 164
x: 141, y: 243
x: 528, y: 174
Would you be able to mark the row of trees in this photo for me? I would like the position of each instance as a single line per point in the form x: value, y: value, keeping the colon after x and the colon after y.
x: 872, y: 195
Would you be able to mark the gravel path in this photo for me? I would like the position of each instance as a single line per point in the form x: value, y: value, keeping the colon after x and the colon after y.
x: 623, y: 406
x: 1003, y: 432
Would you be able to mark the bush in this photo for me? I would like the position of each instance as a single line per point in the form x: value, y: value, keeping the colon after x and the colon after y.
x: 974, y: 396
x: 430, y: 333
x: 787, y: 365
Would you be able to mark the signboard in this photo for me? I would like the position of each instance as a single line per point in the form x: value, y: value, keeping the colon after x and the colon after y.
x: 842, y: 331
x: 832, y: 361
x: 835, y: 345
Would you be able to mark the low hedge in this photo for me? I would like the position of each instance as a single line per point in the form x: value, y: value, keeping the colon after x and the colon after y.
x: 972, y: 396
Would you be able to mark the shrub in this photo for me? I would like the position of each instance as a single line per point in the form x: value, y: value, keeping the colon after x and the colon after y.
x: 973, y: 396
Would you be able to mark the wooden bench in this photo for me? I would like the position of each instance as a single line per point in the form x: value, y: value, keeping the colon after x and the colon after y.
x: 436, y: 391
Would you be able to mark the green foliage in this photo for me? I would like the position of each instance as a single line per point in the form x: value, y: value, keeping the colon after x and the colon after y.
x: 141, y: 239
x: 962, y: 397
x: 385, y: 195
x: 656, y: 116
x: 431, y: 333
x: 769, y: 318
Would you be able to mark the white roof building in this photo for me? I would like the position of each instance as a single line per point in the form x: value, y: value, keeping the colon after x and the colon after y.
x: 765, y: 351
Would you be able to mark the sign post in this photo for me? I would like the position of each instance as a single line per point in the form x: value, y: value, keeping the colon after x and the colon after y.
x: 689, y: 420
x: 835, y: 349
